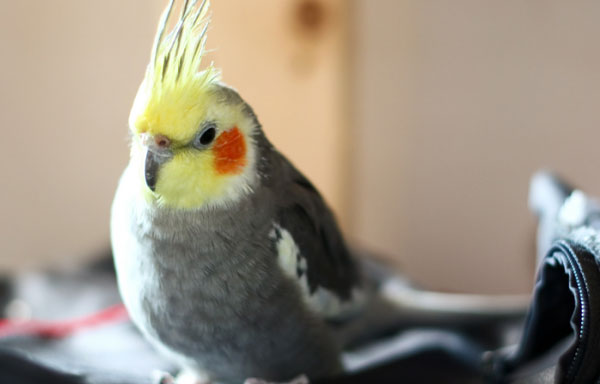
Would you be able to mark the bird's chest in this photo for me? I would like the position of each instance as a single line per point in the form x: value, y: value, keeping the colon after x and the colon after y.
x: 218, y: 301
x: 217, y: 315
x: 183, y: 292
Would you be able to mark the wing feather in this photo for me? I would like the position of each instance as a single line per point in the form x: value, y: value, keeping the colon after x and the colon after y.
x: 312, y: 249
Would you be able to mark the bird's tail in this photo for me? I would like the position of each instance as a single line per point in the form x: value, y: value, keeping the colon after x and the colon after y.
x: 395, y: 305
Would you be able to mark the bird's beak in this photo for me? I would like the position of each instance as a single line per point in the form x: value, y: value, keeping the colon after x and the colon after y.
x: 154, y: 160
x: 156, y: 155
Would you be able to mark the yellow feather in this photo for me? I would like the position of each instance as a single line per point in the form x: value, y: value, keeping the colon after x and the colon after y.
x: 174, y: 92
x: 189, y: 171
x: 173, y: 99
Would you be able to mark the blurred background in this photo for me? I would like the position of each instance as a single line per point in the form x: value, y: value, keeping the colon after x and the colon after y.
x: 420, y: 121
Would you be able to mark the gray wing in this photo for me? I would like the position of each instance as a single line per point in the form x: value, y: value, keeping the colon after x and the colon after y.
x: 311, y: 248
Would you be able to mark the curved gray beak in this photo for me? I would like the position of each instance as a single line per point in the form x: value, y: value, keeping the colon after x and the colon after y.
x: 154, y: 159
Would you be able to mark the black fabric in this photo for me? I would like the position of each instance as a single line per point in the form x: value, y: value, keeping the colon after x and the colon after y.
x: 562, y: 331
x: 560, y: 341
x: 433, y: 364
x: 16, y: 368
x: 116, y: 353
x: 430, y: 366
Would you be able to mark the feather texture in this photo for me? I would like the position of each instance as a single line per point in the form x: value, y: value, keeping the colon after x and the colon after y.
x: 174, y: 81
x: 177, y: 55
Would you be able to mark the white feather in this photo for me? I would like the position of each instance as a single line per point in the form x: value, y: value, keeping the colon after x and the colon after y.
x: 322, y: 300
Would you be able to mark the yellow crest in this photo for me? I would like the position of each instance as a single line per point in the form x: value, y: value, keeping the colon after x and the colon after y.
x: 173, y: 86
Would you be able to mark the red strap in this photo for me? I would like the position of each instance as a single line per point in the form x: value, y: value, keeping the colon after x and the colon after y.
x: 59, y: 329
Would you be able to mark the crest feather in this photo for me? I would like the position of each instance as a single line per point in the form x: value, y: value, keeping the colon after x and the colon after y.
x: 177, y: 54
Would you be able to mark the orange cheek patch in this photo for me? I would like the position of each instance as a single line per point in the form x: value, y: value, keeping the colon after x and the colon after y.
x: 230, y: 152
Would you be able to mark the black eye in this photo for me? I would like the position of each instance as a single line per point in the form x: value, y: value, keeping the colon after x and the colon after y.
x: 206, y: 137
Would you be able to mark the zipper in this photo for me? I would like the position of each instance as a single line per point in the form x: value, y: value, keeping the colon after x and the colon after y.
x: 582, y: 295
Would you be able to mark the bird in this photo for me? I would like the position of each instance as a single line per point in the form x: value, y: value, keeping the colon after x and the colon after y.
x: 228, y: 259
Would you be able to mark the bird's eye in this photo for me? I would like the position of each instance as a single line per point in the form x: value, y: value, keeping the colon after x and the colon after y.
x: 206, y: 137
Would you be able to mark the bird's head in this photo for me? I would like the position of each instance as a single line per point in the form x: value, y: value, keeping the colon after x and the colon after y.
x: 193, y: 140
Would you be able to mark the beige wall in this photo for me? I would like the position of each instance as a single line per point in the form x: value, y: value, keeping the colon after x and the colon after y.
x: 458, y: 103
x: 69, y: 72
x: 290, y: 64
x: 455, y: 104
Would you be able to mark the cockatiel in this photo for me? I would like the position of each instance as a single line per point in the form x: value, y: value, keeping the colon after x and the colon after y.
x: 228, y: 259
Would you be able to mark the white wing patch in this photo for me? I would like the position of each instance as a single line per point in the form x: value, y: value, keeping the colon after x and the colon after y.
x: 575, y: 209
x: 294, y: 265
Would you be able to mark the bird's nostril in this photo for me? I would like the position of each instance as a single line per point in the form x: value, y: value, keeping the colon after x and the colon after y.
x: 162, y: 141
